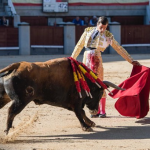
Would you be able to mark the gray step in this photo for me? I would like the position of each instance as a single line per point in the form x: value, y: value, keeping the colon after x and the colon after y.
x: 1, y: 10
x: 3, y: 14
x: 5, y: 1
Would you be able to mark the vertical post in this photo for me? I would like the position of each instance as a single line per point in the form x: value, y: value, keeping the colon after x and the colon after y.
x: 69, y: 38
x: 24, y: 38
x: 115, y: 29
x: 147, y: 15
x: 16, y: 20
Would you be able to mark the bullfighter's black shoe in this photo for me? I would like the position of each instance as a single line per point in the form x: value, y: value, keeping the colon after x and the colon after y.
x: 102, y: 115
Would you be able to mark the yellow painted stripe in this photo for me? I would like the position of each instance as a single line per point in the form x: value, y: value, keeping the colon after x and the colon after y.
x: 83, y: 77
x: 79, y: 74
x: 93, y: 75
x: 75, y: 76
x: 82, y: 69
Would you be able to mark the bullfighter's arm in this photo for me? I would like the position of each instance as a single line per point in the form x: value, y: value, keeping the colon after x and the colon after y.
x: 79, y: 46
x: 120, y: 50
x: 117, y: 47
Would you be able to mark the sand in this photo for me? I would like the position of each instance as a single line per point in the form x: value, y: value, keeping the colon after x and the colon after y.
x: 52, y: 128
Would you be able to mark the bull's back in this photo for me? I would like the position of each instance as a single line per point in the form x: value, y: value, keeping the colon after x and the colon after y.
x: 54, y: 80
x: 50, y: 82
x: 56, y: 70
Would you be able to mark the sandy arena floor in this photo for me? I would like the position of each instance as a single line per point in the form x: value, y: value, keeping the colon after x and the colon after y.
x: 51, y: 128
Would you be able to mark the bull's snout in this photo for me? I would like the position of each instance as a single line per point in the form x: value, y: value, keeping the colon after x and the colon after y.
x: 93, y: 112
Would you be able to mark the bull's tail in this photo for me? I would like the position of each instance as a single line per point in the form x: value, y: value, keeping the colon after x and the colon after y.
x: 10, y: 68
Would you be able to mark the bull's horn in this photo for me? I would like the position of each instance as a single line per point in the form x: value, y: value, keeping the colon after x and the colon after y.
x: 112, y: 85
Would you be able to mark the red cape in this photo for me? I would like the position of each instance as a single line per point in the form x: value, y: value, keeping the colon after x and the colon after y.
x: 134, y: 101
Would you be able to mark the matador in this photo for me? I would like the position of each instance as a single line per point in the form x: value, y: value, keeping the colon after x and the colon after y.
x: 96, y: 40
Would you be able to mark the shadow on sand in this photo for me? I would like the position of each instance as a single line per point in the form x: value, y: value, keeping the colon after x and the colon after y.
x: 119, y: 132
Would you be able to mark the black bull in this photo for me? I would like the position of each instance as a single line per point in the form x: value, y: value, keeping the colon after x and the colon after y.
x: 49, y: 82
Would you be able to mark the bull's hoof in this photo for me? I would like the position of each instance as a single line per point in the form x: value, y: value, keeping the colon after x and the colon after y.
x: 88, y: 129
x: 93, y: 124
x: 90, y: 123
x: 6, y: 131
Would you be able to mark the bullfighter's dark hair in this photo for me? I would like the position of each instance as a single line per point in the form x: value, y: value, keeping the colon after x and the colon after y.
x: 102, y: 20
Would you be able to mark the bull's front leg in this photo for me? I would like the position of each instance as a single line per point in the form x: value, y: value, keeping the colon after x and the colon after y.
x: 78, y: 112
x: 87, y: 120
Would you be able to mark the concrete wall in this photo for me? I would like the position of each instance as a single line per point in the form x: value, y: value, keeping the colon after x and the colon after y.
x: 24, y: 38
x: 147, y: 16
x: 115, y: 29
x: 46, y: 51
x: 69, y: 39
x: 85, y: 11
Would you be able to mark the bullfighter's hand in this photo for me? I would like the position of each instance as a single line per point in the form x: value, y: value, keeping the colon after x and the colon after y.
x: 136, y: 63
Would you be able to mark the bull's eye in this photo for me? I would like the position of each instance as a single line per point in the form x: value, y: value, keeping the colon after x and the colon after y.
x: 30, y: 91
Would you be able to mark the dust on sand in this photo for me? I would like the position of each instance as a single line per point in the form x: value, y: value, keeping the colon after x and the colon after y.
x: 53, y: 128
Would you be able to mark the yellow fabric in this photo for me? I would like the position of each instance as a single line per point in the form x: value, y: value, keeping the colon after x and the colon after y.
x: 79, y: 46
x: 121, y: 51
x: 75, y: 76
x: 85, y: 41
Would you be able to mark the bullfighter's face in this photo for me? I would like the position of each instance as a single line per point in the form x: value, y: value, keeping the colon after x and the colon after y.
x: 101, y: 28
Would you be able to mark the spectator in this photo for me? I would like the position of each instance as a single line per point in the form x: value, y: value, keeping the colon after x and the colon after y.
x: 77, y: 21
x: 0, y: 22
x: 86, y: 21
x: 4, y: 21
x: 93, y: 21
x: 55, y: 24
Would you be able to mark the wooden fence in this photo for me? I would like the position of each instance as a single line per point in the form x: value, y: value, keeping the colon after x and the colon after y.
x: 130, y: 34
x: 8, y: 37
x: 135, y: 34
x: 78, y: 32
x: 45, y: 35
x: 35, y: 20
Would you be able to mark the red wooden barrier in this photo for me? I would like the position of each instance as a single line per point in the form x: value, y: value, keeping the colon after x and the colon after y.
x: 135, y: 34
x: 45, y: 35
x: 8, y: 37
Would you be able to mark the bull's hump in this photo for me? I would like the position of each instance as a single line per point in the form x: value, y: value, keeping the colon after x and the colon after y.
x: 56, y: 60
x: 25, y: 66
x: 29, y: 66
